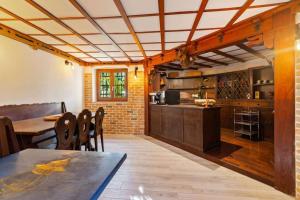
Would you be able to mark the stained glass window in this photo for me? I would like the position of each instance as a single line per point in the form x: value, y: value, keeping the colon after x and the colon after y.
x: 112, y: 84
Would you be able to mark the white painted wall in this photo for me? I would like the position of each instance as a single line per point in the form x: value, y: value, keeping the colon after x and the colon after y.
x: 35, y: 76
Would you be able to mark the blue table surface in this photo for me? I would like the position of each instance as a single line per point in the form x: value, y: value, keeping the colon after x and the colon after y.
x: 55, y: 174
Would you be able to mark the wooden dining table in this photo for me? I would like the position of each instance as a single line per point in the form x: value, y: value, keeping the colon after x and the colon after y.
x: 27, y: 129
x: 35, y: 174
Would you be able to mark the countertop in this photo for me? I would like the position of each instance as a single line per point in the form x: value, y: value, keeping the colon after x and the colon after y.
x: 191, y: 106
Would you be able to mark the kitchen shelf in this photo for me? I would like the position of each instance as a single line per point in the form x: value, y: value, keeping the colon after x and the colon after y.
x: 186, y: 77
x: 263, y: 84
x: 246, y: 132
x: 246, y: 122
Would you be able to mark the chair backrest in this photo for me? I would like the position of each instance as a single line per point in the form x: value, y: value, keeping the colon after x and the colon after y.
x: 28, y: 111
x: 8, y: 139
x: 64, y: 129
x: 83, y: 124
x: 99, y: 116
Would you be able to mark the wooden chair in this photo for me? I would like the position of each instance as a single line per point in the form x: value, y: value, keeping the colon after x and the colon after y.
x: 99, y: 116
x: 83, y: 129
x: 65, y: 129
x: 8, y: 139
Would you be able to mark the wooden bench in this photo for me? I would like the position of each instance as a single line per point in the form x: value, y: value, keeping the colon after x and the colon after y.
x: 29, y: 111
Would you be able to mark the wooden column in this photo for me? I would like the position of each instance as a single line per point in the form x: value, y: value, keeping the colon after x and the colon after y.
x: 284, y: 102
x: 146, y: 93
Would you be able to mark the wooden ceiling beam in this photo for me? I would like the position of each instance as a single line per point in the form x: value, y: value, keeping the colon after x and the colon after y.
x: 96, y: 25
x: 51, y: 16
x: 239, y: 13
x: 211, y: 60
x: 161, y: 7
x: 130, y: 27
x: 197, y: 20
x: 221, y: 53
x: 202, y: 65
x: 42, y: 30
x: 252, y: 51
x: 169, y: 67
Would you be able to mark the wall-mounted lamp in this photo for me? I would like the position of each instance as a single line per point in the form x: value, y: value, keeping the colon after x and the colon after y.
x: 135, y: 72
x: 68, y: 63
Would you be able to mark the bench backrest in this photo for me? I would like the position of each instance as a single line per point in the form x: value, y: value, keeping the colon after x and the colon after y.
x: 27, y: 111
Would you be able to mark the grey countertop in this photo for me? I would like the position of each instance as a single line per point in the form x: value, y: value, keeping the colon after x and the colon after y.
x: 192, y: 106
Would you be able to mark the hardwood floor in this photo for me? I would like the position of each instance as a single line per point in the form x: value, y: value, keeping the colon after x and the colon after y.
x: 155, y: 170
x: 253, y: 158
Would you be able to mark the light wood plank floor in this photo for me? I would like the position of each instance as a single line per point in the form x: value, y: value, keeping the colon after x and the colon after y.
x: 154, y: 170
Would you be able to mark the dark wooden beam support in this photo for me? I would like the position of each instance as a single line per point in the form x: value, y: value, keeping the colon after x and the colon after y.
x: 252, y: 51
x: 197, y: 20
x: 212, y: 61
x: 161, y: 7
x: 221, y: 53
x: 122, y: 11
x: 202, y: 65
x: 96, y: 25
x: 169, y: 67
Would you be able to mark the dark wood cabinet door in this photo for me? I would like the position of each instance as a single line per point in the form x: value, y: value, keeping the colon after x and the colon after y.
x: 155, y: 120
x: 172, y: 124
x: 227, y: 117
x: 193, y: 132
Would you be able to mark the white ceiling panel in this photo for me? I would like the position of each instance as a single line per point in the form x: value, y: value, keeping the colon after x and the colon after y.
x: 48, y: 39
x: 59, y: 8
x: 145, y: 23
x: 81, y: 26
x: 152, y: 46
x: 72, y: 39
x: 216, y: 4
x: 22, y: 9
x: 137, y: 7
x: 199, y: 34
x: 79, y: 55
x: 65, y: 48
x: 5, y: 16
x: 182, y: 21
x: 129, y: 47
x: 121, y: 59
x: 172, y: 45
x: 152, y: 53
x: 98, y: 55
x: 237, y: 52
x: 122, y: 38
x: 264, y: 2
x: 86, y: 48
x: 216, y: 19
x: 108, y: 47
x: 136, y: 58
x: 149, y: 37
x: 177, y: 36
x: 116, y: 25
x: 21, y: 26
x: 89, y: 59
x: 115, y: 54
x: 105, y: 59
x: 51, y: 26
x: 182, y: 5
x: 252, y: 12
x: 209, y: 54
x: 134, y: 53
x: 97, y: 39
x: 230, y: 48
x: 100, y: 8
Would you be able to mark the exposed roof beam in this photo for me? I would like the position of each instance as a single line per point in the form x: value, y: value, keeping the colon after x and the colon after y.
x: 161, y: 6
x: 169, y: 67
x: 239, y: 13
x: 51, y: 16
x: 221, y: 53
x: 130, y: 27
x: 202, y: 65
x: 212, y: 61
x: 42, y: 30
x: 96, y: 25
x: 175, y: 65
x: 252, y: 51
x: 197, y: 19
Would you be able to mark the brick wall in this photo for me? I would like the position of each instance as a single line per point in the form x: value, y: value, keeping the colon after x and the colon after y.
x: 122, y: 117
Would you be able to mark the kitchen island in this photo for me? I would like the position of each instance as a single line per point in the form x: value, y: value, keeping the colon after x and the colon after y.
x: 190, y: 127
